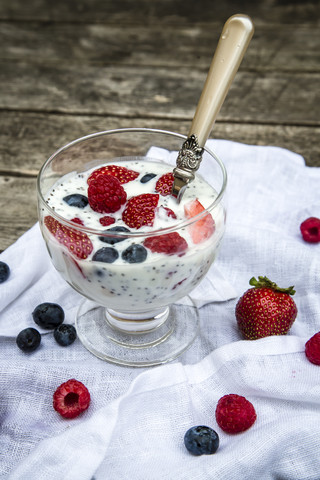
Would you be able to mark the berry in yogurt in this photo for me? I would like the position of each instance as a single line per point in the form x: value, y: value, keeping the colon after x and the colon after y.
x: 132, y: 247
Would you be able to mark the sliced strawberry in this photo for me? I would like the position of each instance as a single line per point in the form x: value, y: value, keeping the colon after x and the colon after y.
x: 140, y: 210
x: 203, y: 228
x: 123, y: 174
x: 77, y: 243
x: 165, y: 183
x: 169, y: 243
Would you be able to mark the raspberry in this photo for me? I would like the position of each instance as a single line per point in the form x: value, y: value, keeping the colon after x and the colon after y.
x: 312, y: 349
x: 165, y: 183
x: 123, y: 174
x: 169, y: 243
x: 105, y: 194
x: 77, y: 220
x: 165, y: 212
x: 77, y: 243
x: 310, y: 230
x: 107, y: 220
x: 235, y: 414
x: 71, y: 398
x: 140, y: 210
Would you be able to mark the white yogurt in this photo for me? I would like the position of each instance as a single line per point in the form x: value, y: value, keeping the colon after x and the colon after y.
x: 137, y: 287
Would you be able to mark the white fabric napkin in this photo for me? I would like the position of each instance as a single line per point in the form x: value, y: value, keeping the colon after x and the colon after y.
x: 135, y: 424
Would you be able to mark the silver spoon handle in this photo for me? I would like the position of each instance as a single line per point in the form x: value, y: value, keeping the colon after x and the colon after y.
x: 234, y: 40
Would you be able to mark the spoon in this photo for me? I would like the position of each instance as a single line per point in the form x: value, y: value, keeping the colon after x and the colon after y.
x: 233, y: 43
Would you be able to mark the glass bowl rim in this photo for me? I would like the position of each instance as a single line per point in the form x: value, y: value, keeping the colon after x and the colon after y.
x: 141, y: 233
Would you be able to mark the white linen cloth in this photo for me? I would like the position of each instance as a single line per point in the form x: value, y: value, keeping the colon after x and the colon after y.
x: 135, y: 424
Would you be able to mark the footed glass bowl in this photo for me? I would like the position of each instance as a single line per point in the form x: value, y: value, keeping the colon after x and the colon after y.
x: 126, y: 244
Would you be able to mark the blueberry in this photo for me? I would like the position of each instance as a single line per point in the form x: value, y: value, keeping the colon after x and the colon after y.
x: 113, y: 240
x: 76, y: 200
x: 105, y: 254
x: 147, y: 177
x: 201, y: 440
x: 48, y: 315
x: 4, y: 272
x: 65, y: 334
x: 134, y: 254
x: 28, y: 339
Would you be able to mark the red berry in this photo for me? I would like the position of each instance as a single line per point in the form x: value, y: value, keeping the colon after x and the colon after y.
x: 140, y: 210
x: 107, y: 220
x: 310, y: 230
x: 106, y: 194
x: 312, y: 349
x: 71, y: 398
x: 77, y: 220
x: 265, y: 310
x: 165, y: 183
x: 123, y: 174
x: 203, y: 228
x: 235, y: 414
x: 165, y: 211
x: 170, y: 243
x: 78, y: 243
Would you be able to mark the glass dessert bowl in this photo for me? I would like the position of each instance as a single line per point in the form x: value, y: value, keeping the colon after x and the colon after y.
x: 116, y: 234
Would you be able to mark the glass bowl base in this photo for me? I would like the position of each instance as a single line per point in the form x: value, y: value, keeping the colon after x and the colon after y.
x: 97, y: 330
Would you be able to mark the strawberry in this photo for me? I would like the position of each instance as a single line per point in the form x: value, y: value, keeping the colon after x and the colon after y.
x: 123, y: 174
x: 140, y: 210
x: 169, y: 243
x: 71, y: 398
x: 310, y: 230
x: 234, y: 413
x: 106, y: 194
x: 203, y: 228
x: 265, y: 310
x: 312, y: 349
x: 77, y: 243
x: 165, y: 183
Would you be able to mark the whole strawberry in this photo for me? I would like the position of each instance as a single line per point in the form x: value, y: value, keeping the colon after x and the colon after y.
x: 265, y: 310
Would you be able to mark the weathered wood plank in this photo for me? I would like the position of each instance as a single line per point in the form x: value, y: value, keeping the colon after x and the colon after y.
x: 18, y: 208
x: 160, y: 12
x: 27, y: 140
x: 257, y: 97
x: 292, y: 49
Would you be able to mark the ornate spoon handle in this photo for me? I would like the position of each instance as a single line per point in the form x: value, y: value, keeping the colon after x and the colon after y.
x: 234, y: 40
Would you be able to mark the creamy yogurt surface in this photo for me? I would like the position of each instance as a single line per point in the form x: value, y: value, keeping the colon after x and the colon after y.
x: 160, y: 278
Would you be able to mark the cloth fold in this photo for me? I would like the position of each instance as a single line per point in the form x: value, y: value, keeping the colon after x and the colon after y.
x: 137, y: 418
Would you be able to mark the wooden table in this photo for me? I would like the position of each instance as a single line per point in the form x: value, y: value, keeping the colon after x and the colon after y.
x: 69, y: 68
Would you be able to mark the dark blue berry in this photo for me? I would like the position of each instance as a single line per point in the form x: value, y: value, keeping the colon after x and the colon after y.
x: 76, y: 200
x: 4, y: 272
x: 113, y: 240
x: 106, y: 254
x: 147, y: 177
x: 48, y: 315
x: 65, y: 334
x: 134, y: 254
x: 28, y: 339
x: 201, y: 440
